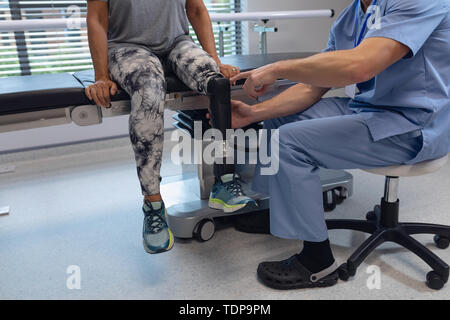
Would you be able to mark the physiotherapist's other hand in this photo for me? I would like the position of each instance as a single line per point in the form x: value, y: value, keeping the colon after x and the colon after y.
x: 101, y: 92
x: 228, y: 71
x: 258, y: 80
x: 241, y: 114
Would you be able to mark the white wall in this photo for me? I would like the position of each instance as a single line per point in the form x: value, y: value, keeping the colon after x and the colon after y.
x: 70, y: 133
x: 293, y: 35
x: 62, y: 134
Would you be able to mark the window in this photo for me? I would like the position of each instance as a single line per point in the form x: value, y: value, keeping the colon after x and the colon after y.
x: 67, y: 50
x: 232, y: 30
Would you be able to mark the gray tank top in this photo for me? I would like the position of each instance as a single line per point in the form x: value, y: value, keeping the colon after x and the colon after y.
x: 155, y: 24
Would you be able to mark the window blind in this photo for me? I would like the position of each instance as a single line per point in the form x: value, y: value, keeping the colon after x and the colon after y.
x: 67, y: 50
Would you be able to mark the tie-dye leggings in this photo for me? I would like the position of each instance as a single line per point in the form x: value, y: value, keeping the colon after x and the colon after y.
x: 141, y: 74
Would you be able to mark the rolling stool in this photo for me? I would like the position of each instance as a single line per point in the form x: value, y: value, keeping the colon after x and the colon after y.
x: 383, y: 225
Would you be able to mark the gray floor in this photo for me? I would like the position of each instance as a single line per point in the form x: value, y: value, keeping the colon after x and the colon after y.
x: 80, y: 205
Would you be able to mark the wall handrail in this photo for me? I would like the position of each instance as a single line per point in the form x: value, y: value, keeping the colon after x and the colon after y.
x: 77, y: 23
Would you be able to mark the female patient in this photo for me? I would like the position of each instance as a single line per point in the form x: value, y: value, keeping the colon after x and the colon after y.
x: 133, y: 43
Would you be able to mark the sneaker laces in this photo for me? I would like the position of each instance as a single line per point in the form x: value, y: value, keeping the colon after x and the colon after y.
x: 155, y: 222
x: 234, y: 186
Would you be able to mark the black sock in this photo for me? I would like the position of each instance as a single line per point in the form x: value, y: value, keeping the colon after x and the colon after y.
x: 316, y: 256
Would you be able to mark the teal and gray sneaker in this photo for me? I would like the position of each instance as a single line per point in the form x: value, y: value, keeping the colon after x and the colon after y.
x: 157, y: 237
x: 228, y: 196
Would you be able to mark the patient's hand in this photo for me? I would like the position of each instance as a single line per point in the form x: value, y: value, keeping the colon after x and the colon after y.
x: 101, y: 91
x: 228, y: 71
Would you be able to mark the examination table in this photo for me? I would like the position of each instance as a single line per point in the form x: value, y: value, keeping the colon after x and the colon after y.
x: 53, y: 99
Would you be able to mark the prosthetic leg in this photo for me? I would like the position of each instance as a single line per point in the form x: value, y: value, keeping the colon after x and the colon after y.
x: 220, y: 111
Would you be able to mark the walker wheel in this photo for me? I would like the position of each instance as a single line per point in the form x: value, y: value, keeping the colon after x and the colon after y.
x: 205, y: 230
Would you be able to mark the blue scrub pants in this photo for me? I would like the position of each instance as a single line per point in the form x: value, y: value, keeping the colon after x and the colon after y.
x: 328, y: 135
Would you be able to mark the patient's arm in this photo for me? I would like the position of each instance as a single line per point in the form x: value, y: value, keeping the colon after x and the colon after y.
x: 97, y: 21
x: 201, y: 22
x: 293, y: 100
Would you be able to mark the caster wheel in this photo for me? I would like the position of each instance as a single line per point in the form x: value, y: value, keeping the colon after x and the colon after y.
x: 340, y: 199
x: 329, y: 207
x: 435, y: 281
x: 441, y: 242
x: 371, y: 216
x: 377, y: 210
x: 351, y: 269
x: 329, y: 201
x: 341, y: 195
x: 205, y: 230
x: 343, y: 272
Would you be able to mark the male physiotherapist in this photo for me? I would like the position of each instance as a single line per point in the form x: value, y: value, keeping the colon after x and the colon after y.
x: 397, y: 52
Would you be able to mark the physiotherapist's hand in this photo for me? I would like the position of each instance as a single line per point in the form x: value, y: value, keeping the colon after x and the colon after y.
x: 242, y: 114
x: 258, y: 80
x: 101, y: 92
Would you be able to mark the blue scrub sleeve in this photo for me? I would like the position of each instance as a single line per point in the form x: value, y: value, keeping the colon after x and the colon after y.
x: 410, y: 22
x: 331, y: 45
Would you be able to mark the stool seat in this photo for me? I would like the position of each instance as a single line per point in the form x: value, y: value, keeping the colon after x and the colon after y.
x: 417, y: 169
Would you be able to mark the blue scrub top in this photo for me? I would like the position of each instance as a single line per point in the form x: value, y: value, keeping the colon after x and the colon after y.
x: 413, y: 93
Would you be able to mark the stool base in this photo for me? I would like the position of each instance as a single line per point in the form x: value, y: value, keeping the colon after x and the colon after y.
x: 399, y: 233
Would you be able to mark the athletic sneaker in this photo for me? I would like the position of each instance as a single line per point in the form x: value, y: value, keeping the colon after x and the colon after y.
x: 228, y: 196
x: 156, y: 234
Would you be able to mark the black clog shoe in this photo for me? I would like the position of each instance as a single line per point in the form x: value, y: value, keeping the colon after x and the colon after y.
x: 291, y: 274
